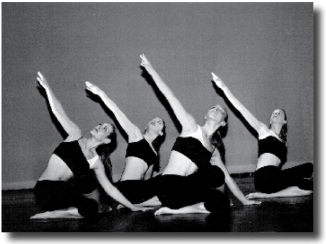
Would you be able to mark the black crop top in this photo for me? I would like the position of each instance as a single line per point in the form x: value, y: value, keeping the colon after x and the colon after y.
x: 272, y: 145
x: 141, y: 149
x: 72, y: 155
x: 194, y: 150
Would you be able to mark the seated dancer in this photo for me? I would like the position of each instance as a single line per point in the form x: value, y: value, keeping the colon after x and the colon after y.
x: 75, y: 169
x: 269, y: 179
x: 195, y: 170
x: 142, y: 156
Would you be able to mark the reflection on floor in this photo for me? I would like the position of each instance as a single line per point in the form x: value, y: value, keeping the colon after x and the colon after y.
x: 273, y: 215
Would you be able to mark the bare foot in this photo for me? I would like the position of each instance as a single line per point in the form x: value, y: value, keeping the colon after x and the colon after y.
x: 164, y: 210
x: 44, y: 215
x: 71, y: 213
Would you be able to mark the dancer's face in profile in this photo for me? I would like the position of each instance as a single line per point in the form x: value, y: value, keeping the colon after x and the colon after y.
x: 156, y: 125
x: 217, y: 113
x: 102, y: 131
x: 278, y: 116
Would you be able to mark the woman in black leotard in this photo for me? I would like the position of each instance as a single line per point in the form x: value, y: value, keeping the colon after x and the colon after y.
x: 270, y: 180
x: 75, y: 169
x: 190, y: 180
x: 142, y: 156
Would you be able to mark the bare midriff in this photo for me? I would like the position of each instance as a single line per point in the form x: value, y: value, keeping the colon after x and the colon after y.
x: 179, y: 165
x: 56, y: 170
x: 135, y: 169
x: 268, y: 159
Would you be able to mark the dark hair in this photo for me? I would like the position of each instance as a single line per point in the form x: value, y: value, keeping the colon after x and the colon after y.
x: 157, y: 143
x: 217, y: 142
x: 105, y: 150
x: 284, y: 129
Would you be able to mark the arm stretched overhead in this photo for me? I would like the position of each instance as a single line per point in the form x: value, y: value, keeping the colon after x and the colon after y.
x: 187, y: 122
x: 70, y: 127
x: 133, y: 132
x: 256, y: 124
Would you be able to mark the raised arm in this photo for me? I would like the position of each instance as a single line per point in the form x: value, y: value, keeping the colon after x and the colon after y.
x: 70, y: 127
x: 216, y: 160
x: 257, y: 125
x: 133, y: 132
x: 187, y: 122
x: 111, y: 190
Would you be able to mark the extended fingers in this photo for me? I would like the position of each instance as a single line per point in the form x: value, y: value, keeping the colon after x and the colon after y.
x: 254, y: 203
x: 215, y: 77
x: 88, y: 83
x: 40, y: 75
x: 144, y: 60
x: 145, y: 209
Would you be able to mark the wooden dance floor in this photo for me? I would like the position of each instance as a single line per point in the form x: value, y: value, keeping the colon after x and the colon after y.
x: 273, y: 215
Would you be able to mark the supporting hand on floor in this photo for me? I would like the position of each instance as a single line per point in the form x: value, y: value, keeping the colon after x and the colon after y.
x: 138, y: 207
x: 250, y: 202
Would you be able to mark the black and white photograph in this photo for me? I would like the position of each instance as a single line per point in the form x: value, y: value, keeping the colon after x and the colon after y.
x: 159, y: 117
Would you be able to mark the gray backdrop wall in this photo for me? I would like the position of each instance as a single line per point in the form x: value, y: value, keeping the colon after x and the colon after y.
x: 263, y: 51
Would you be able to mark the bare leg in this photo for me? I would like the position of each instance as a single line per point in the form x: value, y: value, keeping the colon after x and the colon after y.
x: 69, y: 213
x: 196, y: 208
x: 154, y: 201
x: 292, y: 191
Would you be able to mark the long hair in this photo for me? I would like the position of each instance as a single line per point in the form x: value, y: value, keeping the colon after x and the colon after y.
x: 284, y: 130
x: 105, y: 150
x: 157, y: 143
x: 216, y: 140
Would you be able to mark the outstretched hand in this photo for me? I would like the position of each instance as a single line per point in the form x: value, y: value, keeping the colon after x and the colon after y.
x: 219, y: 83
x: 145, y: 63
x: 138, y: 207
x: 251, y: 202
x: 92, y: 88
x: 41, y: 80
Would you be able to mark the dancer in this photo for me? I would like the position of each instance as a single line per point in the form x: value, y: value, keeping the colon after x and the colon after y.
x: 269, y: 179
x: 142, y: 156
x: 75, y: 169
x: 189, y: 181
